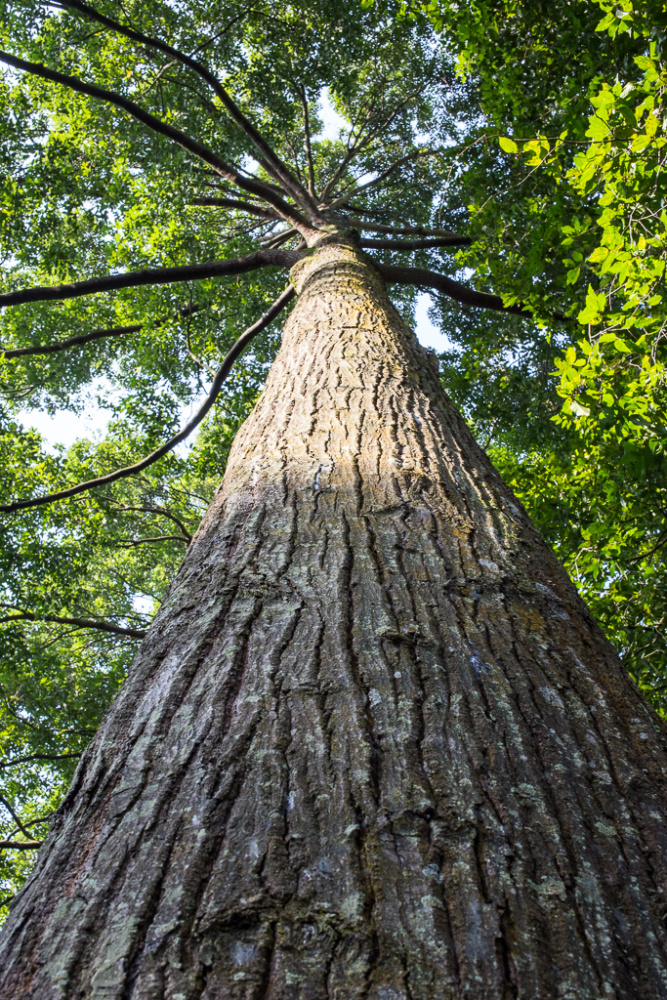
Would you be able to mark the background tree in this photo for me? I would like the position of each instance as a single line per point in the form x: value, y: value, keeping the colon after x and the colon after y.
x: 574, y: 96
x: 387, y: 78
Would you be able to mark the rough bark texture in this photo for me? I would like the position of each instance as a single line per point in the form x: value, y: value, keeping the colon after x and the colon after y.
x: 374, y: 745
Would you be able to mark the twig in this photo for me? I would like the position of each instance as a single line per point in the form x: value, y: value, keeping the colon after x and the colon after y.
x: 12, y: 813
x: 376, y: 227
x: 131, y: 542
x: 63, y: 345
x: 242, y: 206
x: 153, y: 510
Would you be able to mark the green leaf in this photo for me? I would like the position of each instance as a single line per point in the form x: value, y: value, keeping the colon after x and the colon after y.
x: 508, y: 145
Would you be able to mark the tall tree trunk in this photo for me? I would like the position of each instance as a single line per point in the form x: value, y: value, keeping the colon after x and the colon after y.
x: 374, y: 745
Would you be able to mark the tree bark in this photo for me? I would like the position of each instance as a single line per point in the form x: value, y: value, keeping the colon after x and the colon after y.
x: 374, y: 747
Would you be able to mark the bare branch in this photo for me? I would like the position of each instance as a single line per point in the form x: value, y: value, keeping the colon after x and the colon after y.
x: 221, y: 375
x: 21, y: 615
x: 253, y: 186
x: 152, y: 276
x: 269, y: 158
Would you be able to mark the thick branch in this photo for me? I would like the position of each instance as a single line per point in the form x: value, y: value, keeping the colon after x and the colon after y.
x: 253, y: 186
x: 453, y: 289
x: 134, y: 633
x: 152, y: 276
x: 270, y: 160
x: 427, y: 244
x: 221, y: 375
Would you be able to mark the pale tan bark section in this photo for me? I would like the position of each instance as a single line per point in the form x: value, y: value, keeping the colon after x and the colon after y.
x: 374, y: 745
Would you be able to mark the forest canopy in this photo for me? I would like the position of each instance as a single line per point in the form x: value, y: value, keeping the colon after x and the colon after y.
x: 514, y: 148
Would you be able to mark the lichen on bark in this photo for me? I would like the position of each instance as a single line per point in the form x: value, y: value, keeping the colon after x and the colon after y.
x: 374, y: 746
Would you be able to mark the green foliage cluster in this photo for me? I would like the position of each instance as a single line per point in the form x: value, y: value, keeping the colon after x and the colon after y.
x: 574, y: 96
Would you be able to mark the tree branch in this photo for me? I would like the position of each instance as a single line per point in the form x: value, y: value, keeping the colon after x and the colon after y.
x: 309, y: 152
x: 382, y: 176
x: 63, y: 345
x: 359, y: 141
x: 445, y: 241
x: 270, y: 160
x: 20, y: 845
x: 218, y: 381
x: 243, y: 206
x: 131, y: 542
x: 453, y: 289
x: 134, y: 633
x: 12, y: 813
x: 154, y: 510
x: 152, y: 276
x: 39, y: 756
x: 376, y: 227
x: 253, y: 186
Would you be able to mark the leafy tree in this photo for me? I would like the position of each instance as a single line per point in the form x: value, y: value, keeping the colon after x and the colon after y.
x: 287, y: 704
x: 576, y: 102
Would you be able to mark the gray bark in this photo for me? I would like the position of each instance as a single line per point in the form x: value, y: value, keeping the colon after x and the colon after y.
x: 374, y: 747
